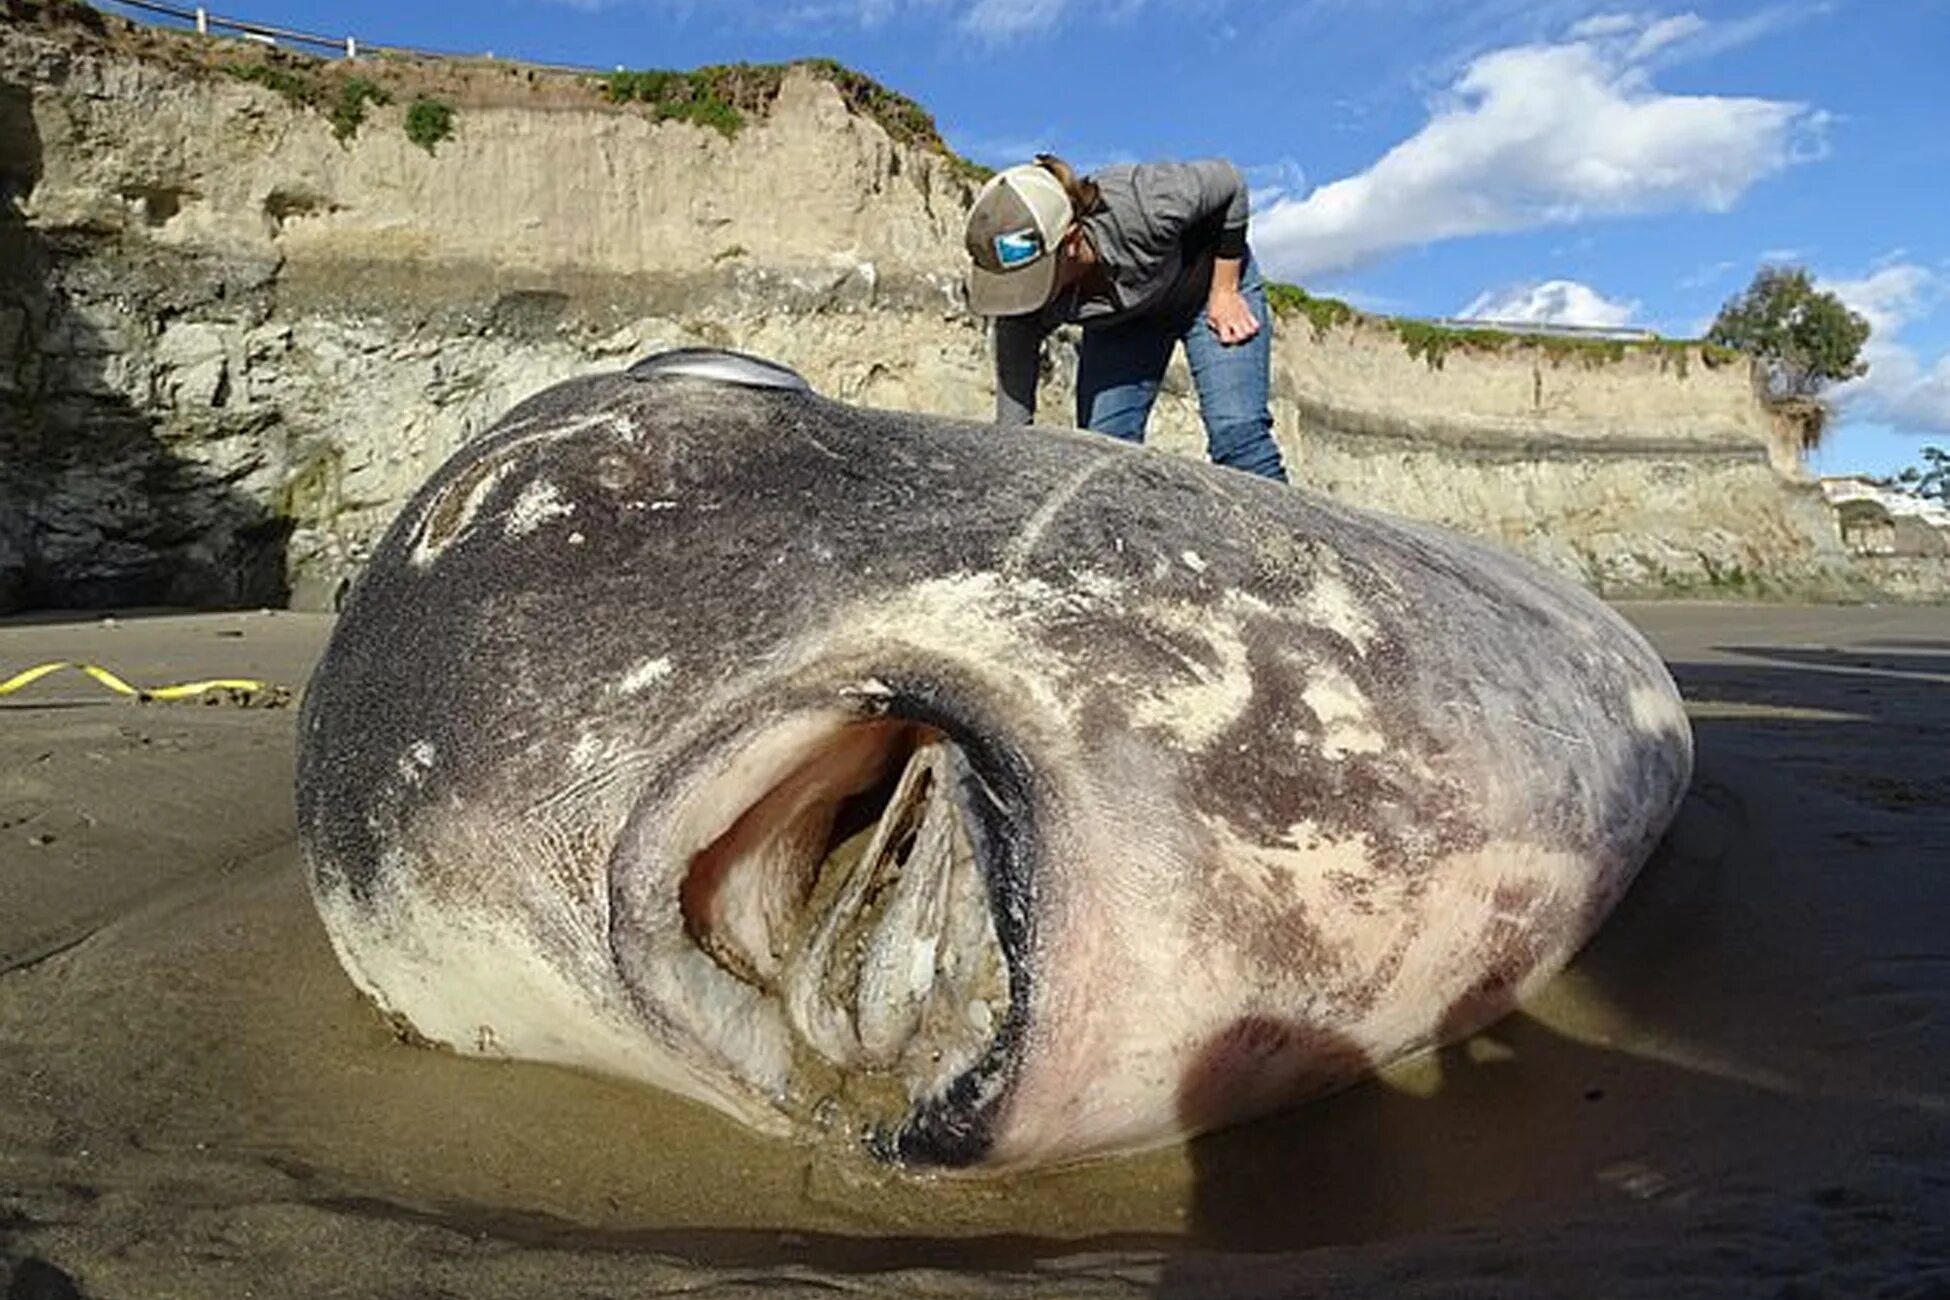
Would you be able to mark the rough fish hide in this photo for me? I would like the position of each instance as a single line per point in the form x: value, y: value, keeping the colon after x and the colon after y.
x: 999, y: 797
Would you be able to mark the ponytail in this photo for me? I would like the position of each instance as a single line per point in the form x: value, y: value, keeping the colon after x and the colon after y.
x: 1084, y: 198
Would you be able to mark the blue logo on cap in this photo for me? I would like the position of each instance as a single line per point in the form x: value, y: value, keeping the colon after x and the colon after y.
x: 1017, y: 247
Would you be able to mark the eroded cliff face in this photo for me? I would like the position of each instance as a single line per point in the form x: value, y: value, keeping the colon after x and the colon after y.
x: 231, y: 344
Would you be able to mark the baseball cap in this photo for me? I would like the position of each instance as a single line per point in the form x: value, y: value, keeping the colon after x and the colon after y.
x: 1018, y: 219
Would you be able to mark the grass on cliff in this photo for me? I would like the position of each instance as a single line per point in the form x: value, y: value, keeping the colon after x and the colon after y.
x: 429, y: 121
x: 717, y: 97
x: 1292, y: 300
x: 724, y: 97
x: 348, y: 106
x: 344, y: 99
x: 1432, y: 343
x: 299, y: 86
x: 721, y: 97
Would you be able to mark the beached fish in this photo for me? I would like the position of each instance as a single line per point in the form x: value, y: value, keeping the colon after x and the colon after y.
x: 998, y: 796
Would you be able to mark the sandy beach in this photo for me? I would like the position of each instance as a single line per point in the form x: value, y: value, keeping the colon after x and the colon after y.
x: 1742, y: 1087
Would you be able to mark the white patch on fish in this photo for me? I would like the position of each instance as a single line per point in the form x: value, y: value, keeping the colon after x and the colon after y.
x: 1346, y: 721
x: 538, y: 503
x: 985, y: 616
x: 1658, y: 712
x: 1333, y: 605
x: 644, y: 675
x: 1206, y: 701
x: 487, y: 475
x: 417, y: 761
x: 425, y: 549
x: 587, y: 749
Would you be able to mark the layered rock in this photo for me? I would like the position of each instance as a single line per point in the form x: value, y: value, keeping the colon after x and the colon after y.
x: 231, y: 343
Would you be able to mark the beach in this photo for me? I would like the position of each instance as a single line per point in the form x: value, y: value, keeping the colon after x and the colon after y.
x: 1741, y: 1087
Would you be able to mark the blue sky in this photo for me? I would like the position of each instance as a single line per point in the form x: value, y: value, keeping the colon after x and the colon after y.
x: 1583, y: 160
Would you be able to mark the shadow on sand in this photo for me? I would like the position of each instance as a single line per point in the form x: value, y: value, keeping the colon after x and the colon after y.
x: 1766, y: 1039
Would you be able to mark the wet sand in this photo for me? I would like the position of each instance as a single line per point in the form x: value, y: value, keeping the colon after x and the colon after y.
x: 1742, y: 1087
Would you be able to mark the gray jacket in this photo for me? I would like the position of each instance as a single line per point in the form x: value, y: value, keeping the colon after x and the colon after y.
x: 1155, y: 232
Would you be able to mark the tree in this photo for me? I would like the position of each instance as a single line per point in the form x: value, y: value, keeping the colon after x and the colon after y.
x: 1931, y: 479
x: 1804, y: 339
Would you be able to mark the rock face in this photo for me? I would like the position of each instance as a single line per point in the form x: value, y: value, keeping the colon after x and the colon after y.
x: 231, y: 343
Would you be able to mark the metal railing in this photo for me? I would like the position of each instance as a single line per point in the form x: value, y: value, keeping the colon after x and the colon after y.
x: 206, y: 23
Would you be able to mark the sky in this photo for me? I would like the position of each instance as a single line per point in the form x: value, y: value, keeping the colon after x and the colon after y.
x: 1583, y: 161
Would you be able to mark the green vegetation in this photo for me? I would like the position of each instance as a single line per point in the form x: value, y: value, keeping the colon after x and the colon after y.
x: 56, y: 12
x: 345, y: 100
x: 1732, y: 579
x: 349, y: 106
x: 1292, y: 300
x: 720, y: 97
x: 299, y: 88
x: 428, y: 122
x: 1432, y: 343
x: 311, y: 492
x: 1678, y: 354
x: 1712, y: 580
x: 1931, y: 479
x: 1803, y: 338
x: 724, y: 96
x: 717, y: 97
x: 905, y: 121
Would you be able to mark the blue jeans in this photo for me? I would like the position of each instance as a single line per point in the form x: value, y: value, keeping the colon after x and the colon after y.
x: 1119, y: 368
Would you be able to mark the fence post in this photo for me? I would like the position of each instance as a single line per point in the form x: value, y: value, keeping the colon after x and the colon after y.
x: 202, y: 21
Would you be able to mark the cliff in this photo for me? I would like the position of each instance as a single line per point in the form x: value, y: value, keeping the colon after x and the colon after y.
x: 235, y: 334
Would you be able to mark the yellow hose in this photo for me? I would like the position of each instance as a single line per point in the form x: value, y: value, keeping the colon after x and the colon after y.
x: 180, y: 691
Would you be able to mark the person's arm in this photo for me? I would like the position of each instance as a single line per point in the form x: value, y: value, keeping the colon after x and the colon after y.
x: 1225, y: 309
x: 1018, y: 358
x: 1181, y: 195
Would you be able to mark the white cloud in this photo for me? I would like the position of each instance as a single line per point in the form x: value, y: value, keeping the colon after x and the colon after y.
x: 1004, y: 150
x: 1599, y: 26
x: 1552, y: 302
x: 1902, y: 389
x: 1002, y: 20
x: 1543, y: 135
x: 1665, y: 32
x: 1891, y: 297
x: 1271, y: 182
x: 1710, y: 39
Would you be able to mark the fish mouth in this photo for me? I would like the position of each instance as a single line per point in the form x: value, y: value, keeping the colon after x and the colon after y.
x: 859, y: 884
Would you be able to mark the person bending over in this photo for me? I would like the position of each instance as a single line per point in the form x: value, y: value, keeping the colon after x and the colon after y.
x: 1142, y: 256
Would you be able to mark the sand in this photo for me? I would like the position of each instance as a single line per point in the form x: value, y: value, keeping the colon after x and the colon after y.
x: 1741, y: 1088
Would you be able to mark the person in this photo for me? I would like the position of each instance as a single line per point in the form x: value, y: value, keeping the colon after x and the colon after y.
x: 1142, y: 256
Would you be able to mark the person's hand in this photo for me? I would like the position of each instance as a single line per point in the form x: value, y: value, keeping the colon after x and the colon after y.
x: 1230, y: 318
